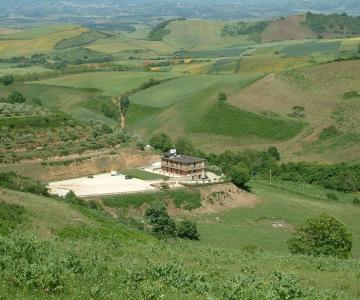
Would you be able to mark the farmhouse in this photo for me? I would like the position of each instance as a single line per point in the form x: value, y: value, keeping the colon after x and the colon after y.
x: 183, y: 165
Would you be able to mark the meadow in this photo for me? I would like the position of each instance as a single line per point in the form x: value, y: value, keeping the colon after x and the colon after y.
x: 111, y: 83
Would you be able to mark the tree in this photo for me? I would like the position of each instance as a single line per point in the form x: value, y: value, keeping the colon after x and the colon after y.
x: 188, y: 230
x: 16, y: 97
x: 222, y: 96
x: 8, y: 80
x: 274, y: 152
x: 123, y: 103
x: 322, y: 235
x: 161, y: 141
x: 184, y: 146
x: 240, y: 175
x: 159, y: 219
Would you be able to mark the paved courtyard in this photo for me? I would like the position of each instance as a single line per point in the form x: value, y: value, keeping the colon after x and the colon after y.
x: 101, y: 184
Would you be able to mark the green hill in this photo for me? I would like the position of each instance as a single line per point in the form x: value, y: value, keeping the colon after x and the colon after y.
x: 58, y: 250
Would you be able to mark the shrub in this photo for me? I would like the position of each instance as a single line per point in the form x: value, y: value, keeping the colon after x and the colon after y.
x: 159, y: 219
x: 8, y: 80
x: 240, y: 175
x: 332, y: 196
x: 322, y: 235
x: 356, y: 201
x: 214, y: 169
x: 161, y: 141
x: 187, y: 230
x: 274, y: 152
x: 222, y: 96
x: 16, y: 97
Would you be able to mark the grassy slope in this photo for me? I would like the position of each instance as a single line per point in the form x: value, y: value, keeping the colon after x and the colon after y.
x: 111, y: 83
x: 41, y: 40
x: 281, y: 201
x: 319, y: 89
x: 108, y: 248
x: 201, y: 35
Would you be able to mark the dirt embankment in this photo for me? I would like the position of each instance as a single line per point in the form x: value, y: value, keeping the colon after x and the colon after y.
x: 64, y: 169
x: 218, y: 198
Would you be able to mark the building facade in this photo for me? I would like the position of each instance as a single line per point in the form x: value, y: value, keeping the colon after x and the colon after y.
x: 183, y: 166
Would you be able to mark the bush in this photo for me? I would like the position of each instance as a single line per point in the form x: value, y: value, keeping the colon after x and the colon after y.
x: 161, y: 141
x: 332, y: 196
x: 356, y: 201
x: 322, y: 235
x: 240, y: 175
x: 159, y: 219
x: 214, y: 169
x: 187, y: 230
x: 222, y: 96
x: 16, y: 97
x: 274, y: 152
x: 8, y: 80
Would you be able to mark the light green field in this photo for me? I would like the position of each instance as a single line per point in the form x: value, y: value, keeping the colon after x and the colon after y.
x: 201, y: 35
x: 42, y: 41
x: 177, y: 90
x: 287, y: 203
x: 111, y: 83
x: 22, y: 71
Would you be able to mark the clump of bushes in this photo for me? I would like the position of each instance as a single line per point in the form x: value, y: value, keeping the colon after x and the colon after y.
x: 222, y: 96
x: 13, y: 181
x: 322, y: 236
x: 356, y: 201
x: 332, y: 196
x: 164, y: 226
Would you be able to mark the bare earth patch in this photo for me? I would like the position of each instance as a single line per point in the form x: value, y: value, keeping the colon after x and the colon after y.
x: 218, y: 198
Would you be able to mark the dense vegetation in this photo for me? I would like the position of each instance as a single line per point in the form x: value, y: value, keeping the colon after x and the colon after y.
x: 323, y: 235
x: 333, y: 23
x: 245, y: 28
x: 81, y: 40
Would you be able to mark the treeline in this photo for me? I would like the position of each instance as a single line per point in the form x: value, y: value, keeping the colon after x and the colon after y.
x: 83, y: 39
x: 334, y: 23
x: 244, y: 28
x: 243, y: 165
x: 160, y: 30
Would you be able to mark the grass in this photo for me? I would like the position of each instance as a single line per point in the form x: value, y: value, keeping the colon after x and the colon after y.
x: 223, y: 119
x: 36, y: 43
x: 144, y: 175
x: 191, y: 34
x: 27, y: 70
x: 92, y: 247
x: 290, y: 203
x: 311, y: 48
x: 225, y: 66
x: 175, y: 91
x: 222, y: 52
x: 111, y: 83
x: 182, y: 198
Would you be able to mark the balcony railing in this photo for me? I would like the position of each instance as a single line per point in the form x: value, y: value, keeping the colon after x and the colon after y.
x: 182, y: 168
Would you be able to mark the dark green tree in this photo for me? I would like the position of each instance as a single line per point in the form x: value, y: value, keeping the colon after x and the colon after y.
x: 159, y: 219
x: 274, y: 152
x: 322, y: 235
x: 8, y: 80
x: 222, y: 96
x: 16, y: 97
x: 184, y: 146
x: 240, y: 175
x: 187, y: 230
x: 161, y: 141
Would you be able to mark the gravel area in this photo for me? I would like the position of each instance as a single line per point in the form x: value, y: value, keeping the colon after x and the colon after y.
x: 101, y: 184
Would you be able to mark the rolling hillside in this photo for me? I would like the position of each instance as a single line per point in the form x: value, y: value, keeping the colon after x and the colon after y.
x: 79, y: 250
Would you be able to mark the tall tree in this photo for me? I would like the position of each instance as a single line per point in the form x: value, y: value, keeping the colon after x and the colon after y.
x: 123, y: 104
